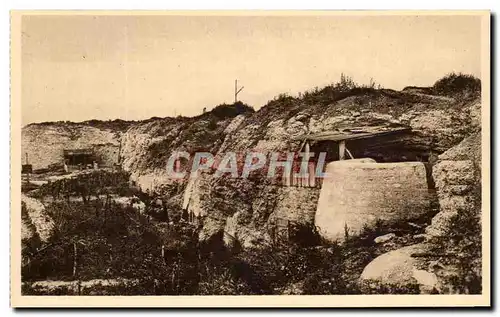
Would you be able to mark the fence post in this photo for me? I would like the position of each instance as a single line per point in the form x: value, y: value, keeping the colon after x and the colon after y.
x: 312, y: 175
x: 74, y: 259
x: 288, y: 229
x: 163, y: 253
x: 342, y: 150
x: 273, y: 234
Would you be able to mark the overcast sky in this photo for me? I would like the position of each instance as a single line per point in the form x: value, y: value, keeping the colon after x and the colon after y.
x: 135, y: 67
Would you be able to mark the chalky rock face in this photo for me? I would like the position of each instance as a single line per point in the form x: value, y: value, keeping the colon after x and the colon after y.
x: 37, y: 219
x: 458, y: 184
x: 358, y: 193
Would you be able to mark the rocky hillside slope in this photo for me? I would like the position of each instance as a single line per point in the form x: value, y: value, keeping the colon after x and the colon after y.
x: 242, y: 208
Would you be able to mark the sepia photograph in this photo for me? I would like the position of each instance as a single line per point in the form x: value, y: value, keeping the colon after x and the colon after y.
x: 250, y: 158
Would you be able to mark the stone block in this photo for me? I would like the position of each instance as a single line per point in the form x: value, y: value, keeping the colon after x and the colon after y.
x: 357, y: 194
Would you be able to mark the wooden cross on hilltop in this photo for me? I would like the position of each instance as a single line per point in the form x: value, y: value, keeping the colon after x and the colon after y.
x: 236, y: 90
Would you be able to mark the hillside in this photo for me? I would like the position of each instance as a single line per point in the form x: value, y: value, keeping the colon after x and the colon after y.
x: 240, y: 211
x: 438, y: 122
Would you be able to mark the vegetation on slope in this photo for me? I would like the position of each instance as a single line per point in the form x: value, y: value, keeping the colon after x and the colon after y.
x: 459, y: 85
x: 460, y: 256
x: 114, y: 125
x: 347, y: 94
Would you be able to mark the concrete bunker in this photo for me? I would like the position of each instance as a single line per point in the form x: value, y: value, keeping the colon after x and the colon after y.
x: 359, y: 193
x: 381, y: 143
x: 79, y: 158
x: 26, y: 168
x: 372, y: 175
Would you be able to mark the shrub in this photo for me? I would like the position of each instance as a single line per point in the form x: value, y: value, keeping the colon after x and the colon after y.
x: 221, y: 281
x: 458, y: 85
x: 225, y: 111
x: 346, y: 87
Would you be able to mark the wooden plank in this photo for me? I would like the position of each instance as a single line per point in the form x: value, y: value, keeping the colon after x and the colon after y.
x: 308, y: 151
x: 75, y: 254
x: 338, y: 136
x: 349, y: 153
x: 305, y: 177
x: 286, y: 178
x: 312, y: 175
x: 342, y: 150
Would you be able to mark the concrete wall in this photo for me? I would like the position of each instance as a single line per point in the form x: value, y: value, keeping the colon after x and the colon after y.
x: 44, y: 144
x: 357, y: 193
x: 107, y: 154
x: 297, y: 204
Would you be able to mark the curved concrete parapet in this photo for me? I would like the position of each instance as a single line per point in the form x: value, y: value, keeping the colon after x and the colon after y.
x: 357, y: 193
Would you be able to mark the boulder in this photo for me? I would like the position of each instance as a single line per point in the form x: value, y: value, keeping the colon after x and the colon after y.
x: 384, y: 238
x: 398, y: 269
x: 440, y: 224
